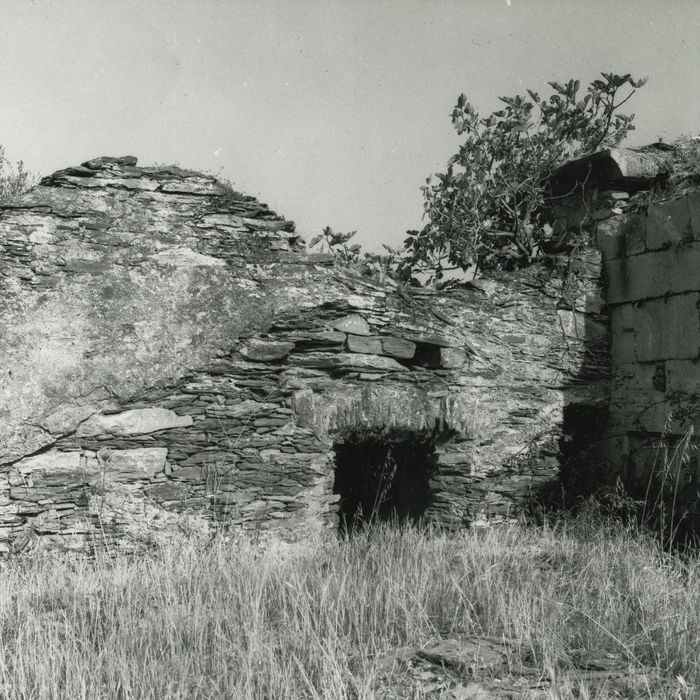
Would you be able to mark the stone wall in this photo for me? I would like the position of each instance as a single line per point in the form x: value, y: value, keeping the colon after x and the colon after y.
x: 172, y: 360
x: 652, y: 266
x: 649, y: 236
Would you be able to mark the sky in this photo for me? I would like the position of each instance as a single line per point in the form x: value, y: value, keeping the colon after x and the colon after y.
x: 334, y: 113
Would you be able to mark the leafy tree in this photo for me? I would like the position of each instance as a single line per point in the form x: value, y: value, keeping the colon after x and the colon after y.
x: 488, y: 210
x: 14, y: 180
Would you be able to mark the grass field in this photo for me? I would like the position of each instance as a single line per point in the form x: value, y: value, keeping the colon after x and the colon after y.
x: 308, y: 621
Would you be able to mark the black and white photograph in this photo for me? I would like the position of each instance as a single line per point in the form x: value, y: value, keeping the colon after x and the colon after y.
x: 349, y: 349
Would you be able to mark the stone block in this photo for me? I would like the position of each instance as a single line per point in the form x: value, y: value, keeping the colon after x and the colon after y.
x: 685, y: 268
x: 667, y: 328
x: 365, y: 344
x: 352, y: 323
x: 626, y: 277
x: 637, y: 398
x: 130, y: 465
x: 138, y: 421
x: 654, y: 274
x: 398, y: 347
x: 55, y: 461
x: 347, y: 361
x: 258, y: 350
x: 668, y: 223
x: 169, y: 491
x: 623, y: 340
x: 65, y: 418
x: 240, y: 409
x: 434, y: 339
x: 318, y: 340
x: 693, y: 200
x: 683, y: 377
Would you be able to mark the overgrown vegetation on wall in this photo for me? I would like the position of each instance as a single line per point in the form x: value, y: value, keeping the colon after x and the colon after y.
x: 14, y: 179
x: 488, y: 209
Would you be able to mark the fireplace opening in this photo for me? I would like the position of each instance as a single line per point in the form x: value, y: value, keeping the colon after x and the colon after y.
x: 380, y: 480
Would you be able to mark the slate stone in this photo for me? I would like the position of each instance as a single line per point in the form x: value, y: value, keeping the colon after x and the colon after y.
x: 257, y: 350
x: 398, y: 347
x: 56, y: 461
x: 128, y: 465
x: 169, y: 491
x: 133, y: 422
x: 97, y: 163
x: 352, y: 323
x: 364, y: 344
x: 433, y: 339
x: 349, y: 361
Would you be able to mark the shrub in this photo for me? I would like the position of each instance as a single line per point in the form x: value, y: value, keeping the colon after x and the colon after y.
x: 381, y: 268
x: 487, y: 210
x: 14, y: 180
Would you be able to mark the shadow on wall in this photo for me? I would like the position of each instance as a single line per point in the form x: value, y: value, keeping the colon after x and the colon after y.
x: 581, y: 446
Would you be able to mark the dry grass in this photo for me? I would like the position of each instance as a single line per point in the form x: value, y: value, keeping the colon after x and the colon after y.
x: 311, y: 622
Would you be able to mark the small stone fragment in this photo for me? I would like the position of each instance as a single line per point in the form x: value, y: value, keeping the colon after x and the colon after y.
x: 257, y: 350
x: 468, y: 655
x: 352, y: 323
x: 433, y: 339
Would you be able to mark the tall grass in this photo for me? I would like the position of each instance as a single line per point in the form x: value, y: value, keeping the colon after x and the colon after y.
x: 312, y: 621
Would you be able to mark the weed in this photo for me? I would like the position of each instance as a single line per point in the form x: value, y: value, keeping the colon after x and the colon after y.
x: 231, y: 621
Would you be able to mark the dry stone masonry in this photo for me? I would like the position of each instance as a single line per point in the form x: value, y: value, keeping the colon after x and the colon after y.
x: 173, y: 361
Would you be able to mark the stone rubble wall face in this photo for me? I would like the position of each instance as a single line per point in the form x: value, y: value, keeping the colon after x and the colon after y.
x: 172, y: 360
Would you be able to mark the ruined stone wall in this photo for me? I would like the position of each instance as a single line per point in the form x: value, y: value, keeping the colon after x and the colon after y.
x: 652, y: 267
x: 172, y: 360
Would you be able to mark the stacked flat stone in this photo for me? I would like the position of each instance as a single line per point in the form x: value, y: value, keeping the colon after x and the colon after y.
x: 174, y: 361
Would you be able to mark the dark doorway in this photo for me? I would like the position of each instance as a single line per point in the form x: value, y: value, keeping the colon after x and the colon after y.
x: 583, y: 469
x: 380, y: 480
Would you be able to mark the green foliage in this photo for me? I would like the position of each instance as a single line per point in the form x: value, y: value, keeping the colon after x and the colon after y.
x: 14, y: 180
x: 487, y: 211
x: 685, y: 164
x: 381, y: 268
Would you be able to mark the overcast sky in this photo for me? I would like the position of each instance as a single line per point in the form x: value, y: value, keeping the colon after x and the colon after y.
x: 334, y: 113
